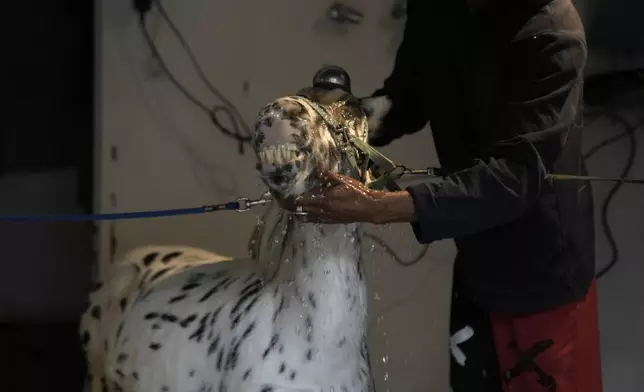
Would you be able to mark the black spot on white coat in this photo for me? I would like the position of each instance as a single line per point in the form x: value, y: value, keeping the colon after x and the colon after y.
x: 169, y: 257
x: 96, y: 312
x: 149, y: 258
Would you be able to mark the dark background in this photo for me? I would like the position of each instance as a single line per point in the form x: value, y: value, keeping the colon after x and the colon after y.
x: 46, y: 124
x: 47, y: 88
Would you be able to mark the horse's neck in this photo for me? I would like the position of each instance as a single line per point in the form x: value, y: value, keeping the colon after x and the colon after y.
x: 327, y: 276
x: 325, y: 252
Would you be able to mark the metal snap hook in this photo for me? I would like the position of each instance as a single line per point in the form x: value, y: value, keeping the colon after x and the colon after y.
x: 344, y: 14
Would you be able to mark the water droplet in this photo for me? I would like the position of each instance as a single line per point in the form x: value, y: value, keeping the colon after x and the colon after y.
x: 377, y: 297
x: 386, y: 376
x: 385, y: 359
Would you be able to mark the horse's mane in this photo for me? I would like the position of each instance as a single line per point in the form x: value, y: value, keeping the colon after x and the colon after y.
x: 338, y: 102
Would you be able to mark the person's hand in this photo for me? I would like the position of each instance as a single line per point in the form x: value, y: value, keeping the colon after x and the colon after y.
x: 340, y: 199
x: 376, y: 108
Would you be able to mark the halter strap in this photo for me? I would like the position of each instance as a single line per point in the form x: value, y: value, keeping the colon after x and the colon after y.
x: 380, y: 166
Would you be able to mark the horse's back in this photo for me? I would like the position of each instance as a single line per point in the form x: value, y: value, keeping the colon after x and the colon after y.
x: 127, y: 280
x: 181, y: 333
x: 149, y: 256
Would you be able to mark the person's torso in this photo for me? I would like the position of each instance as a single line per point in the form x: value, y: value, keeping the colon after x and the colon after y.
x: 546, y: 257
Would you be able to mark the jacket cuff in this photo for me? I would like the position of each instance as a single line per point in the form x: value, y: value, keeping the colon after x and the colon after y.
x: 425, y: 207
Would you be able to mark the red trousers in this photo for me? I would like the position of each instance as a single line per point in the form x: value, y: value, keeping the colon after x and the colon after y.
x: 554, y: 351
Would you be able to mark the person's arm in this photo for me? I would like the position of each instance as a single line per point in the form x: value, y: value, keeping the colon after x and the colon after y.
x: 538, y: 109
x: 398, y: 108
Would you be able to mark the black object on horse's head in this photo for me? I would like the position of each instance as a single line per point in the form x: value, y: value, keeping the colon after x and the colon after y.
x: 331, y: 77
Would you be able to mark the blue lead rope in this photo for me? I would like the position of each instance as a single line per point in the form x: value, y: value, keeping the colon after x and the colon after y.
x: 242, y: 204
x: 232, y: 206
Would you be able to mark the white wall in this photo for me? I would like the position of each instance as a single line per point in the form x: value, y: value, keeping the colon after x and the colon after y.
x: 169, y: 156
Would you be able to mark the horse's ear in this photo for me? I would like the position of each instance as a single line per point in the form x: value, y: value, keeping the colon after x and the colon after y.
x: 324, y: 96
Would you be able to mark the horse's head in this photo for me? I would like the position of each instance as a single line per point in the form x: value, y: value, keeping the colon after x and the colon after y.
x: 297, y: 135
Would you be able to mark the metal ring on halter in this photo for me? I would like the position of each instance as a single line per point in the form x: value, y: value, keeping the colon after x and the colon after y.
x: 298, y: 211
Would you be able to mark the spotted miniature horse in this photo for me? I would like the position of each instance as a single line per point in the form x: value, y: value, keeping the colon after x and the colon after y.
x: 179, y: 319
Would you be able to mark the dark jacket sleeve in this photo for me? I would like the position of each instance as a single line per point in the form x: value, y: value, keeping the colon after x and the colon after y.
x: 539, y: 104
x: 408, y: 113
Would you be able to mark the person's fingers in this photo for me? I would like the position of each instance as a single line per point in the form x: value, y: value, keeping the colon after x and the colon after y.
x: 317, y: 219
x: 335, y: 179
x: 312, y: 211
x: 288, y: 203
x: 315, y: 214
x: 317, y: 193
x: 330, y: 179
x: 316, y: 197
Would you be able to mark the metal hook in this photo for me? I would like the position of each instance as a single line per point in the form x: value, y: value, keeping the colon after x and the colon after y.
x: 344, y: 14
